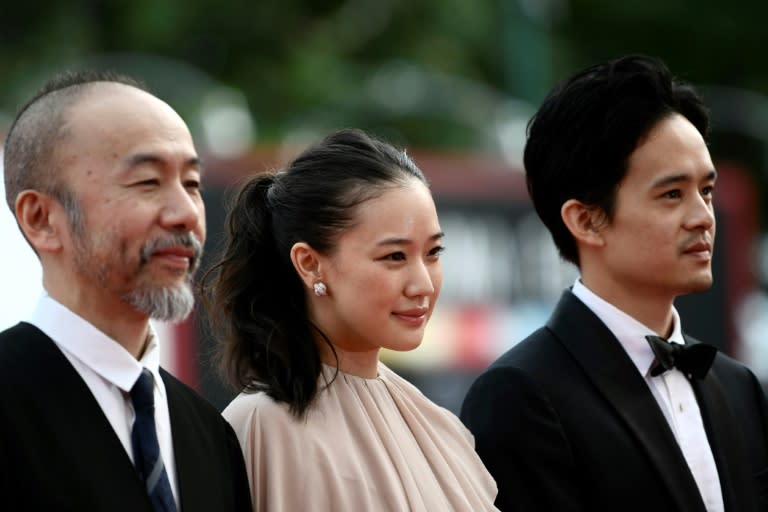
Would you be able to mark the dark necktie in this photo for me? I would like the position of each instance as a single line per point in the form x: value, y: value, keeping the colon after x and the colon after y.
x: 693, y: 360
x: 146, y: 451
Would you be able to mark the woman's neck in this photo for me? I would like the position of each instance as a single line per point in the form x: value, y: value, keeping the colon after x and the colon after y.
x: 359, y: 363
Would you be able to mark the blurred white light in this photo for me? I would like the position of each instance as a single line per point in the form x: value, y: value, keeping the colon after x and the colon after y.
x: 510, y: 123
x: 21, y: 276
x: 228, y: 128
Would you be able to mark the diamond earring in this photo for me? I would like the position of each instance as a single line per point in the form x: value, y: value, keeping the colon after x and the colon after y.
x: 320, y: 289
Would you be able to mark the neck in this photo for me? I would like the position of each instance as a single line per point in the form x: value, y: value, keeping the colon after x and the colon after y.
x: 651, y: 309
x: 359, y: 363
x: 112, y: 316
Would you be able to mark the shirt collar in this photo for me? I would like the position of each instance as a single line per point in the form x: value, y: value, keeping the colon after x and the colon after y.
x: 92, y: 347
x: 630, y: 332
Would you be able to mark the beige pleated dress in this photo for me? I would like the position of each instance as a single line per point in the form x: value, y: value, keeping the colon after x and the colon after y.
x: 366, y: 445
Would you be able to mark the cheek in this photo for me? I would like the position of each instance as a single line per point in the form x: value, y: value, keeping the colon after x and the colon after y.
x: 375, y: 287
x: 379, y: 285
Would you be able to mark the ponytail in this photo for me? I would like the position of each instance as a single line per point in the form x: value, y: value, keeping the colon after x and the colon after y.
x: 256, y: 306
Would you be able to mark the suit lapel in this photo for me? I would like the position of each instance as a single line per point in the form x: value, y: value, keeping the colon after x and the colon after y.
x: 209, y: 464
x: 84, y: 437
x: 726, y: 442
x: 611, y: 370
x: 190, y: 446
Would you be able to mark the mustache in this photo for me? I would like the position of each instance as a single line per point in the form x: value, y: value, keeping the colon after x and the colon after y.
x: 188, y: 240
x: 706, y: 238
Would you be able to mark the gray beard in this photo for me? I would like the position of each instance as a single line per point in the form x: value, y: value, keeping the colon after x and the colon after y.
x: 165, y: 304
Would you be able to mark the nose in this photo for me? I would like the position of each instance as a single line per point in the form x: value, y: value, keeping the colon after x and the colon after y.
x: 702, y: 215
x: 421, y: 282
x: 183, y: 209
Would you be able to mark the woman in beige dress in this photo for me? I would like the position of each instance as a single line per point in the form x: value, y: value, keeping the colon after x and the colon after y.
x: 325, y: 263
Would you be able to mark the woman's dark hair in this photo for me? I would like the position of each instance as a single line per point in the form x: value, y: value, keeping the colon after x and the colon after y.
x: 255, y: 298
x: 580, y: 139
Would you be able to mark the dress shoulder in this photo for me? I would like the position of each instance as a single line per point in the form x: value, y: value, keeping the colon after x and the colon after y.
x: 253, y: 414
x: 409, y: 397
x: 273, y: 445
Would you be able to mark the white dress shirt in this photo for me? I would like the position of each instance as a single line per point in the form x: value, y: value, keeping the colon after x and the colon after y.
x: 672, y: 391
x: 110, y: 372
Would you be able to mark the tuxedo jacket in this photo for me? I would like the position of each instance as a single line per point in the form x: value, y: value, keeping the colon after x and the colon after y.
x: 565, y: 422
x: 58, y: 451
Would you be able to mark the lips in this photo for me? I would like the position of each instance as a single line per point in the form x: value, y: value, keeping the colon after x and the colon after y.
x: 181, y: 250
x: 415, y: 317
x: 176, y: 257
x: 415, y: 312
x: 698, y: 247
x: 700, y: 251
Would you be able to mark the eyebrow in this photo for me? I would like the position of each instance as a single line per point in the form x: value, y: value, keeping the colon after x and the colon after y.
x: 677, y: 178
x: 406, y: 241
x: 142, y: 158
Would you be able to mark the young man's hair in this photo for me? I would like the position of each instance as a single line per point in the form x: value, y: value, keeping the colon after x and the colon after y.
x: 580, y: 139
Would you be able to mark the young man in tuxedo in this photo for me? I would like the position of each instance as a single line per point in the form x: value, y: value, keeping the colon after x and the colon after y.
x: 104, y: 181
x: 595, y: 411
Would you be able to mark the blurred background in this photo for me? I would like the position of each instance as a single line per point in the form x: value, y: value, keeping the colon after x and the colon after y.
x: 454, y: 81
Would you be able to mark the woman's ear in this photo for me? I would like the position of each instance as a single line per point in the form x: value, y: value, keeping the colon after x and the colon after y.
x: 38, y: 216
x: 306, y: 261
x: 583, y: 221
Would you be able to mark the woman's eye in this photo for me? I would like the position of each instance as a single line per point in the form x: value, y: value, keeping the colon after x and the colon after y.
x: 437, y: 251
x: 395, y: 256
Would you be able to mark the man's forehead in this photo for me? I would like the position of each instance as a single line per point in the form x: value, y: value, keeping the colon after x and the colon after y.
x: 111, y: 94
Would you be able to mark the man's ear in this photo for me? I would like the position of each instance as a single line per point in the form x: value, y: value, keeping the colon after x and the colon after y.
x: 583, y: 221
x: 40, y: 218
x: 307, y: 263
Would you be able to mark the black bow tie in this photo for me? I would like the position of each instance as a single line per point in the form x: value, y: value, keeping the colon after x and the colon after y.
x: 693, y: 360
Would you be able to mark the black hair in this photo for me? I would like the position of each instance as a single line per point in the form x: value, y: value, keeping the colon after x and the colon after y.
x: 580, y: 139
x: 255, y: 298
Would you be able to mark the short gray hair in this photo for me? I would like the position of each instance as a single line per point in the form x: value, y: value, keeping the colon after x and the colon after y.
x: 38, y: 130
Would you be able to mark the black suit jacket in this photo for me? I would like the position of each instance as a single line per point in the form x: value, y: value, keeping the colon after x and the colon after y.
x: 58, y: 451
x: 565, y: 422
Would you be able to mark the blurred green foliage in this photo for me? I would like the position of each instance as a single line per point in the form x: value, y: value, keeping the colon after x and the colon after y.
x: 425, y: 72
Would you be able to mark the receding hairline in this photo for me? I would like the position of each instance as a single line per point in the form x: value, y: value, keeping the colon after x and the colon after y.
x: 67, y: 97
x: 63, y: 85
x: 37, y: 130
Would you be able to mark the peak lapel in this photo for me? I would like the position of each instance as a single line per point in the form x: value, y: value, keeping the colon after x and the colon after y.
x: 726, y: 442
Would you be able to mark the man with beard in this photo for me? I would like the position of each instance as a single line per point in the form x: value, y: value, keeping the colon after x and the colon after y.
x: 104, y: 181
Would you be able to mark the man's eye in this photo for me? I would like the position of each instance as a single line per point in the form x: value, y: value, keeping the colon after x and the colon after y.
x: 672, y: 194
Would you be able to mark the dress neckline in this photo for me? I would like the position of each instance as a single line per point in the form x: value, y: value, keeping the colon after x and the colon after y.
x: 330, y: 370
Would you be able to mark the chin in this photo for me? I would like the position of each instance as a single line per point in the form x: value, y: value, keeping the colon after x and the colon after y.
x: 700, y: 284
x: 168, y: 279
x: 405, y: 345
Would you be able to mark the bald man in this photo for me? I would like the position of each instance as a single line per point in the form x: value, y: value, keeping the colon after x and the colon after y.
x: 104, y: 182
